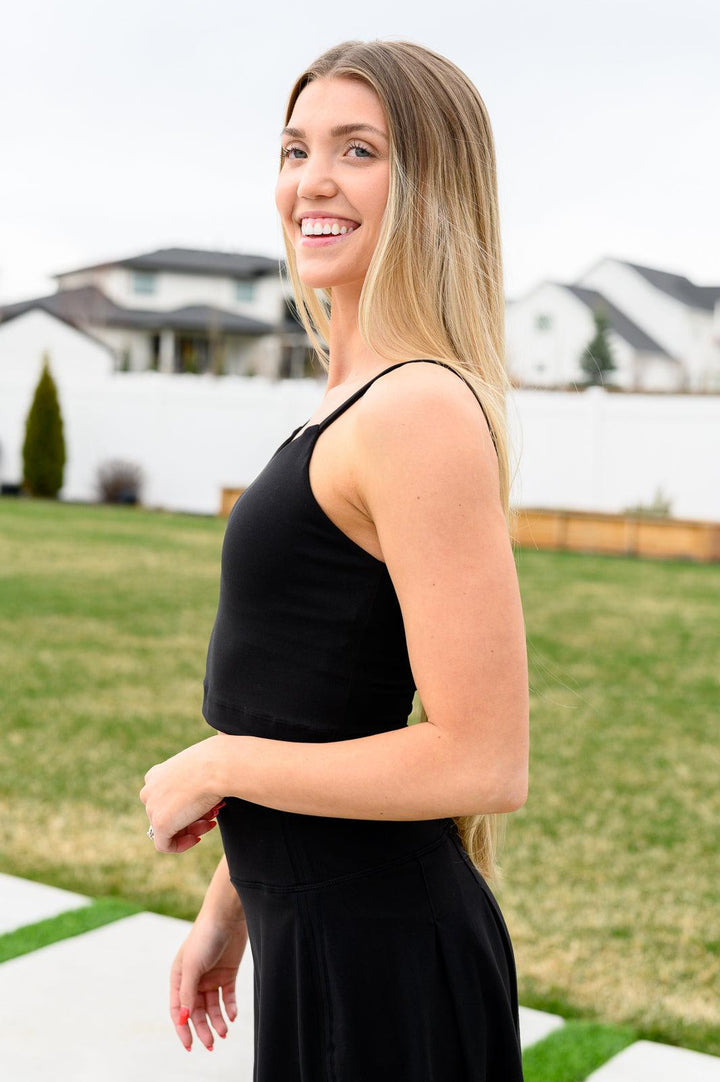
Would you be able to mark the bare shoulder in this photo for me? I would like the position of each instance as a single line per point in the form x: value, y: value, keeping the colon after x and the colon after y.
x: 425, y: 418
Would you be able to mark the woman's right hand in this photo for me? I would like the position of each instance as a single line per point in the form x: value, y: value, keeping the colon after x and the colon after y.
x: 206, y: 966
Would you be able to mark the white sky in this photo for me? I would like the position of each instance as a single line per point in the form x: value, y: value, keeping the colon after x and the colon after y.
x: 153, y: 123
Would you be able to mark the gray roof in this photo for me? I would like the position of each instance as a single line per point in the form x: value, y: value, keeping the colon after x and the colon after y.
x: 192, y: 261
x: 88, y: 305
x: 10, y: 311
x: 679, y: 287
x: 619, y: 322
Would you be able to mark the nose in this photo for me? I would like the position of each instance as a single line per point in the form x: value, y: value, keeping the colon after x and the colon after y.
x: 316, y: 178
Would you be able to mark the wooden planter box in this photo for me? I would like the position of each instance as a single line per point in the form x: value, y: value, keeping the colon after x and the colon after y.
x: 228, y: 499
x: 626, y: 535
x: 596, y: 531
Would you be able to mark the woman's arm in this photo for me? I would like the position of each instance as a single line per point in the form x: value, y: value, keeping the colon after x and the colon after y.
x: 221, y: 903
x: 205, y: 968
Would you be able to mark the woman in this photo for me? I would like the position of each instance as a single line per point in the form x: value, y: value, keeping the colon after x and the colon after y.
x: 369, y: 558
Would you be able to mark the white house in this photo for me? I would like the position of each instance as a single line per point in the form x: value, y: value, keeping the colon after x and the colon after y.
x: 682, y: 316
x: 76, y: 357
x: 664, y: 331
x: 183, y: 310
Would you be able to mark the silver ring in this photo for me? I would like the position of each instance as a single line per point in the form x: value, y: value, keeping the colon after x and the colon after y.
x: 150, y: 833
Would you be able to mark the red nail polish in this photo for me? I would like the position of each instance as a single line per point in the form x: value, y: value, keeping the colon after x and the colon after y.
x: 184, y: 1015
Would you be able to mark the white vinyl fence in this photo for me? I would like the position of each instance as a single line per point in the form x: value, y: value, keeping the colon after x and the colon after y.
x: 192, y: 435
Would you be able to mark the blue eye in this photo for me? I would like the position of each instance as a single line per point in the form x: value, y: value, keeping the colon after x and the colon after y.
x: 294, y: 153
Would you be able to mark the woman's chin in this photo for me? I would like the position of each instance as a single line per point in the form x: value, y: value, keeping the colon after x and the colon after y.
x: 316, y: 277
x: 314, y: 280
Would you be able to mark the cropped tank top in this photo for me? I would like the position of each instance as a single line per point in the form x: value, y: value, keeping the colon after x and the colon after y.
x: 308, y: 642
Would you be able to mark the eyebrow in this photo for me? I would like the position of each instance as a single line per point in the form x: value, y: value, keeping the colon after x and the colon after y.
x: 340, y: 129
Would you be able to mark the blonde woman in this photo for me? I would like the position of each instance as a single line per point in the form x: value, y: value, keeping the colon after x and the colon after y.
x: 369, y: 559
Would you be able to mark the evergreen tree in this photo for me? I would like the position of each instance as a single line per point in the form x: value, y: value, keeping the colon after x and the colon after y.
x: 44, y: 446
x: 597, y: 359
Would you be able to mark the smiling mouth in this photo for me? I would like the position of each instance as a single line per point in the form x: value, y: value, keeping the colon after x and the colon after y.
x: 327, y: 227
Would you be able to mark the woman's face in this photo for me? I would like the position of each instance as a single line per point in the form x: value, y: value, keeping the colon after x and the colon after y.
x: 334, y: 181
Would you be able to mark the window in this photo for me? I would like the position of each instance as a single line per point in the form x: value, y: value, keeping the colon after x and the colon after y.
x: 543, y: 322
x: 143, y: 282
x: 244, y: 291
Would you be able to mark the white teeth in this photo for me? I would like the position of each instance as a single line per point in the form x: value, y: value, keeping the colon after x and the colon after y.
x: 323, y: 227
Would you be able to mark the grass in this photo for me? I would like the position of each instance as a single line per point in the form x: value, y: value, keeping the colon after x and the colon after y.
x: 572, y: 1053
x: 612, y: 885
x: 104, y: 619
x: 612, y: 872
x: 66, y: 925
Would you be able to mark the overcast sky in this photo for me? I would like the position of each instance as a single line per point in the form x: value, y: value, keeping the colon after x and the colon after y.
x: 153, y: 123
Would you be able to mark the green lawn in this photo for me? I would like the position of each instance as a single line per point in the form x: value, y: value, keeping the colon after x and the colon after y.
x: 612, y: 871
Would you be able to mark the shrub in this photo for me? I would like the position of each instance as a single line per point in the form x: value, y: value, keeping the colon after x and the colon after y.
x: 44, y: 446
x: 660, y: 507
x: 119, y: 482
x: 597, y: 360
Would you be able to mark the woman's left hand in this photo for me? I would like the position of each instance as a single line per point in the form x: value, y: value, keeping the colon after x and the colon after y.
x: 179, y: 798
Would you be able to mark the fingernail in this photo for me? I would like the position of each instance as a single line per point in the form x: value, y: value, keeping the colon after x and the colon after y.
x: 184, y: 1015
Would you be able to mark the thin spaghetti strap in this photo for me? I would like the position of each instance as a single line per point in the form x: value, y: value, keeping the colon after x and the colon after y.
x: 289, y: 438
x: 340, y: 409
x: 417, y: 360
x: 468, y: 384
x: 359, y: 393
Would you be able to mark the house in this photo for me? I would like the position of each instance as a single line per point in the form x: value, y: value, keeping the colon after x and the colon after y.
x: 183, y: 310
x: 682, y: 316
x: 664, y: 331
x: 76, y: 357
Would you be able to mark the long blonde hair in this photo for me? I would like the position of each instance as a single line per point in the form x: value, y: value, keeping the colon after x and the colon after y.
x: 434, y: 287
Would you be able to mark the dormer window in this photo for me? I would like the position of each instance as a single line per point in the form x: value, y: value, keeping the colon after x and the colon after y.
x: 244, y: 290
x: 143, y: 282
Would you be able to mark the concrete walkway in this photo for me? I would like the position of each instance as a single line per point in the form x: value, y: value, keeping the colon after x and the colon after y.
x: 24, y: 902
x: 94, y: 1009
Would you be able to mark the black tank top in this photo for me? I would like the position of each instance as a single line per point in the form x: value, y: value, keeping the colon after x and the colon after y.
x: 308, y: 642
